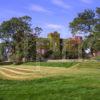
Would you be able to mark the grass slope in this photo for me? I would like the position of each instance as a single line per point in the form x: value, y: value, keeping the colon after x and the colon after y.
x: 84, y: 84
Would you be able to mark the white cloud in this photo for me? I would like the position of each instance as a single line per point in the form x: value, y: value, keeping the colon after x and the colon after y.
x: 54, y: 26
x: 38, y: 8
x: 61, y: 3
x: 86, y: 1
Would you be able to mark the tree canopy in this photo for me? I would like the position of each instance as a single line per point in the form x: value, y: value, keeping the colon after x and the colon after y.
x: 88, y: 22
x: 19, y: 37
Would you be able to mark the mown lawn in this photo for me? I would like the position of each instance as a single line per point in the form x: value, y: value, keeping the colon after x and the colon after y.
x: 79, y: 86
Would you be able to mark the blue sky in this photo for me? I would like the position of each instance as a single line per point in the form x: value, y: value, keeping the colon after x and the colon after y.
x: 51, y: 15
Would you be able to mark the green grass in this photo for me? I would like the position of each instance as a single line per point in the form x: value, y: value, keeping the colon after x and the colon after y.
x: 97, y: 58
x: 51, y: 64
x: 90, y: 64
x: 79, y: 86
x: 59, y: 88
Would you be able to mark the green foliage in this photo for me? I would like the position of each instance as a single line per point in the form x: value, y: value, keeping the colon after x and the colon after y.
x: 97, y: 58
x: 13, y: 32
x: 18, y: 35
x: 72, y: 49
x: 96, y: 45
x: 55, y: 44
x: 56, y: 55
x: 54, y: 41
x: 1, y: 52
x: 37, y: 30
x: 88, y: 22
x: 72, y: 54
x: 48, y: 54
x: 42, y: 44
x: 83, y: 22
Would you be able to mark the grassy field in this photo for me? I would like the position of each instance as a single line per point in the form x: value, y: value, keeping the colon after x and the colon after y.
x: 79, y: 82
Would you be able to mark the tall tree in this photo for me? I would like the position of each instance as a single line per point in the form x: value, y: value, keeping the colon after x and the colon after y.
x: 88, y: 22
x: 19, y: 36
x: 83, y: 23
x: 55, y: 44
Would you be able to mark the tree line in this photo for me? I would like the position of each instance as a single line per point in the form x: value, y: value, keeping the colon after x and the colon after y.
x: 18, y: 38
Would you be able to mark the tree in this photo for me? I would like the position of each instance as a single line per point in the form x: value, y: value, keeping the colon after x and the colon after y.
x: 1, y: 52
x: 37, y: 31
x: 43, y: 47
x: 88, y: 22
x: 83, y: 23
x: 19, y: 36
x: 55, y: 44
x: 97, y: 26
